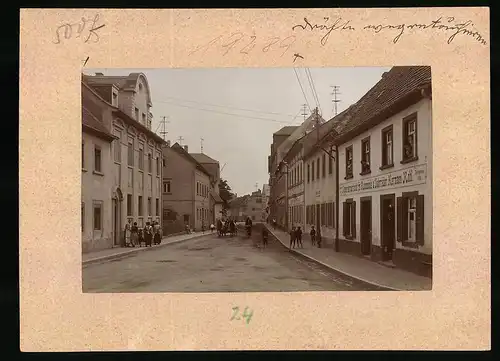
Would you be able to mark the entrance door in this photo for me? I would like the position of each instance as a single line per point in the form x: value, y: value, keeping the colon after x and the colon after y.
x: 366, y: 225
x: 388, y: 225
x: 318, y: 219
x: 116, y: 230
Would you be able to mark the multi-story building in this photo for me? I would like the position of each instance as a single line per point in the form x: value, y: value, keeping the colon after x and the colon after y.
x: 320, y: 179
x: 136, y: 151
x: 249, y: 205
x: 98, y: 227
x: 265, y: 202
x: 186, y: 190
x: 216, y: 202
x: 385, y: 167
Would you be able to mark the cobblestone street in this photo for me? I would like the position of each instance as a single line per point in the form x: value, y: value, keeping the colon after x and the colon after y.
x: 212, y: 264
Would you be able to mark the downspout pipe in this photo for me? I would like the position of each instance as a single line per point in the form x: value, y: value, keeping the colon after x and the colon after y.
x: 336, y: 198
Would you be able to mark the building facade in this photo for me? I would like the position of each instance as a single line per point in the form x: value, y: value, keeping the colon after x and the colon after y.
x: 385, y: 173
x: 97, y: 176
x: 265, y: 202
x: 136, y: 151
x: 249, y: 205
x: 186, y: 191
x: 295, y: 184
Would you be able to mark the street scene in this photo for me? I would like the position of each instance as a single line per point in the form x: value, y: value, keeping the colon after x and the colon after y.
x: 256, y: 180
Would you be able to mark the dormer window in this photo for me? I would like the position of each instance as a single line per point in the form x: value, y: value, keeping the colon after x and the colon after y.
x: 140, y: 86
x: 114, y: 101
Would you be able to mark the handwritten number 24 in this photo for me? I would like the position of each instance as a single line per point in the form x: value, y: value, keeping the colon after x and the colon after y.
x: 247, y: 314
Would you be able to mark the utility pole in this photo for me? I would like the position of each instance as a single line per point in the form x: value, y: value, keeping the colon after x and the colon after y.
x: 316, y: 121
x: 304, y: 113
x: 256, y: 186
x: 164, y: 127
x: 335, y: 89
x: 180, y: 139
x: 201, y: 142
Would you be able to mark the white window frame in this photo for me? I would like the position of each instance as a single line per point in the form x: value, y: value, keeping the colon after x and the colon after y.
x: 411, y: 224
x: 389, y: 146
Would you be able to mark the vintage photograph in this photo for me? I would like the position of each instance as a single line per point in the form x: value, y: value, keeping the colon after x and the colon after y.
x: 256, y: 179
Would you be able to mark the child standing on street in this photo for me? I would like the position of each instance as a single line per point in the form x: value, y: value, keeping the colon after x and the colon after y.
x: 313, y: 235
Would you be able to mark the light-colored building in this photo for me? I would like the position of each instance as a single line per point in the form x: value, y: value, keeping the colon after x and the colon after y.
x: 136, y: 152
x: 216, y: 202
x: 320, y: 180
x: 249, y: 205
x: 98, y: 230
x: 385, y: 172
x: 186, y: 190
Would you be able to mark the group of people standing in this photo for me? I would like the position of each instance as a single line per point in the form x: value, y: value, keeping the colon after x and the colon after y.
x: 225, y: 226
x: 149, y: 235
x: 296, y: 237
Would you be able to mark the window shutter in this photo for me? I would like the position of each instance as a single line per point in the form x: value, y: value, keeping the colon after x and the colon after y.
x: 420, y: 219
x: 353, y: 217
x: 399, y: 218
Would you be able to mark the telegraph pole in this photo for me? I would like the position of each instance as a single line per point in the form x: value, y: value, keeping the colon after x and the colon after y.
x: 180, y: 139
x: 335, y: 89
x: 304, y: 113
x: 164, y: 127
x: 316, y: 121
x: 201, y: 144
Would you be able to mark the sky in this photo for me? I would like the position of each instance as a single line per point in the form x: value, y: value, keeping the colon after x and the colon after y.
x: 237, y: 110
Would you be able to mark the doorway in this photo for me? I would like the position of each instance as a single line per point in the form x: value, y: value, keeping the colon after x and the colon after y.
x: 116, y: 229
x: 318, y: 220
x: 366, y: 225
x: 387, y: 225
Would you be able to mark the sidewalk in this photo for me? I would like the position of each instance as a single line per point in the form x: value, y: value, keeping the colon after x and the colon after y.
x: 118, y: 252
x: 364, y: 270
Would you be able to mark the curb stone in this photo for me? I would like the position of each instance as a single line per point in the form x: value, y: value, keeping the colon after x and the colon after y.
x: 133, y: 251
x: 384, y: 288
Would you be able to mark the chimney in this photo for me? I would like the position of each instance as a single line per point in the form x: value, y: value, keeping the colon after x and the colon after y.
x: 99, y: 74
x: 168, y: 143
x: 186, y: 148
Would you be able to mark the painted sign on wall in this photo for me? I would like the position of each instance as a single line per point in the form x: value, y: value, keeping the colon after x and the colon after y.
x: 401, y: 178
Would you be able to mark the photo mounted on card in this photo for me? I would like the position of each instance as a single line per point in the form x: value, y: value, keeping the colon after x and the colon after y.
x: 240, y: 166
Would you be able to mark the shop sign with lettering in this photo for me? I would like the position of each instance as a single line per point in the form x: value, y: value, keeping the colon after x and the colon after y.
x: 401, y: 178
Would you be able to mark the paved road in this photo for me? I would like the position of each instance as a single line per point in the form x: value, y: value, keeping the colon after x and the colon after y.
x: 212, y: 264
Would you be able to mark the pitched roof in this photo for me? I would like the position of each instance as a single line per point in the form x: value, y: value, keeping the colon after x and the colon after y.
x: 203, y: 158
x: 92, y: 124
x: 124, y: 82
x: 216, y: 197
x: 395, y: 85
x: 238, y: 202
x: 180, y: 150
x: 287, y: 130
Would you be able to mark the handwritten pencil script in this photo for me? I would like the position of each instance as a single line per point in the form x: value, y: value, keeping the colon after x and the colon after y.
x: 86, y: 27
x: 338, y: 24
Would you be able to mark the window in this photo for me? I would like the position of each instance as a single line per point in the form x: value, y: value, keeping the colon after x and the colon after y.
x: 117, y: 147
x: 312, y: 171
x: 300, y: 172
x: 308, y: 173
x: 129, y: 205
x: 348, y: 162
x: 141, y: 157
x: 197, y: 188
x: 136, y: 114
x: 83, y: 155
x: 410, y: 138
x: 150, y: 163
x: 365, y: 156
x: 97, y: 216
x: 330, y: 165
x: 131, y: 177
x: 140, y: 205
x: 130, y: 152
x: 387, y: 147
x: 158, y: 168
x: 317, y: 168
x: 115, y: 99
x: 157, y: 208
x: 323, y: 214
x: 323, y: 166
x: 150, y: 183
x: 166, y: 186
x: 149, y: 206
x: 143, y: 118
x: 349, y: 218
x: 410, y: 217
x: 97, y: 159
x: 141, y: 180
x: 83, y: 216
x: 158, y: 188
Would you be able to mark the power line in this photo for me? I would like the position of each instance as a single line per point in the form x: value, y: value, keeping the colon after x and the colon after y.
x: 303, y: 93
x: 233, y: 114
x: 313, y: 88
x: 224, y: 106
